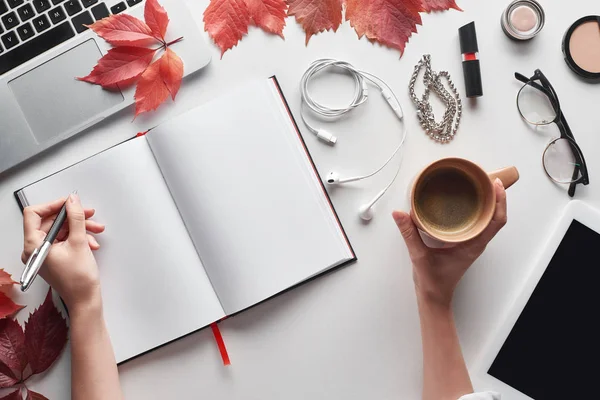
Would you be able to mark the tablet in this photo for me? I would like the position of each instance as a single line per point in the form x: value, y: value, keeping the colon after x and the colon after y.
x: 549, y: 344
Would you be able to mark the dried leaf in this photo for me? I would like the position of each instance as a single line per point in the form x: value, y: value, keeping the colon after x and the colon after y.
x: 124, y: 30
x: 120, y: 65
x: 7, y: 306
x: 157, y: 19
x: 45, y: 335
x: 269, y: 15
x: 5, y: 278
x: 16, y: 395
x: 316, y: 15
x: 389, y: 22
x: 12, y: 346
x: 439, y: 5
x: 31, y: 395
x: 226, y: 21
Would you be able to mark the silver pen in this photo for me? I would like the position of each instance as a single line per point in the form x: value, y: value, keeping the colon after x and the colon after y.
x: 37, y: 258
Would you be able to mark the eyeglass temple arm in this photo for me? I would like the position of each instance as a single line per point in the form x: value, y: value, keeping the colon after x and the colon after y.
x: 524, y: 79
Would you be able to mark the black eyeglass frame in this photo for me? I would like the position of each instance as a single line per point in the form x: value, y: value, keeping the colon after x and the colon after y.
x: 561, y: 122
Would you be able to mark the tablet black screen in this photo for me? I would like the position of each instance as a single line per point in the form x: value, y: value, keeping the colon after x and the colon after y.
x: 553, y: 350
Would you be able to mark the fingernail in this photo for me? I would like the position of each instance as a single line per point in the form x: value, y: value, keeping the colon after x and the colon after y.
x: 498, y: 182
x: 73, y: 198
x: 399, y: 217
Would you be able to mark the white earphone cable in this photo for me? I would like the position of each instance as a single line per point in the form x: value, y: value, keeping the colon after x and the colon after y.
x: 360, y: 96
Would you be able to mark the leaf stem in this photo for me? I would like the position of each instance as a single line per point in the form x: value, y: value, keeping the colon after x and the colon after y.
x: 173, y: 42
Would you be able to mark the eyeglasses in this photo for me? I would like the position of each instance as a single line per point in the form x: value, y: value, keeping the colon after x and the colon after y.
x: 538, y: 105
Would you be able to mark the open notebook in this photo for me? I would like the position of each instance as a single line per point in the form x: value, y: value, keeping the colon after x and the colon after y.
x: 206, y: 215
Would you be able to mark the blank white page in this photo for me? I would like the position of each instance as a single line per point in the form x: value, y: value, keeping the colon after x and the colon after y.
x: 248, y: 194
x: 154, y: 287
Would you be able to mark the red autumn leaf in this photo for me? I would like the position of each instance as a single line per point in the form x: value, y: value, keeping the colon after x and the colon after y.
x: 389, y: 22
x: 5, y: 278
x: 226, y: 21
x: 316, y: 15
x: 7, y: 377
x: 171, y: 71
x: 45, y: 335
x: 439, y: 5
x: 124, y: 30
x: 7, y: 306
x: 120, y: 65
x: 269, y: 15
x: 16, y: 395
x: 157, y: 19
x: 159, y: 80
x: 12, y: 346
x: 31, y: 395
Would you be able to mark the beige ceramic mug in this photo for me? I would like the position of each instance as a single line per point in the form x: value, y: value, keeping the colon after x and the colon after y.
x: 453, y: 200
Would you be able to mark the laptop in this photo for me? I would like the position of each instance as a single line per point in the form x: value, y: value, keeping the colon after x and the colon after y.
x: 44, y: 46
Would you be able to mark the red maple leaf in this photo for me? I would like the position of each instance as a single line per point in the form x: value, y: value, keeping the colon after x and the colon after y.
x: 161, y: 79
x: 124, y: 30
x: 31, y: 395
x: 7, y: 377
x: 131, y: 61
x: 439, y: 5
x: 157, y: 19
x: 227, y: 21
x: 38, y: 347
x: 5, y: 278
x: 389, y: 22
x: 120, y: 65
x: 12, y: 346
x: 8, y: 307
x: 16, y: 395
x: 316, y: 15
x: 45, y: 335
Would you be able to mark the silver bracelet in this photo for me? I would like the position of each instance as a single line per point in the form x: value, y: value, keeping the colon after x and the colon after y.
x: 444, y: 131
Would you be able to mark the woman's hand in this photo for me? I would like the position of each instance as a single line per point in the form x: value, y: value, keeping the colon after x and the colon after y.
x: 436, y: 272
x: 70, y: 267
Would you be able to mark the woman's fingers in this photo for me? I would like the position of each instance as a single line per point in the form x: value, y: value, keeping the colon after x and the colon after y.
x: 500, y: 215
x: 416, y: 247
x: 90, y: 226
x: 93, y: 243
x: 33, y: 215
x: 49, y: 220
x: 94, y: 227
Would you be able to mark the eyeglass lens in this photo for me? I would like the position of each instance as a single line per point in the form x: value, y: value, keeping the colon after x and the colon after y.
x: 560, y: 160
x: 535, y: 106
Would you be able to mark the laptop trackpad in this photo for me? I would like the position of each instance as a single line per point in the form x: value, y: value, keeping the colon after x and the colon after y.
x: 53, y: 101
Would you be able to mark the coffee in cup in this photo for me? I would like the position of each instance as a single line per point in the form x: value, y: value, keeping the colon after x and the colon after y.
x: 453, y: 200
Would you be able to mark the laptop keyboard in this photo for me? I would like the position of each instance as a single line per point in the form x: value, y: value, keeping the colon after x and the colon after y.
x: 29, y: 28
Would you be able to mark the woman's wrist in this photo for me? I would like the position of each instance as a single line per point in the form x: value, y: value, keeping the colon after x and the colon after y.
x: 89, y: 305
x: 434, y: 301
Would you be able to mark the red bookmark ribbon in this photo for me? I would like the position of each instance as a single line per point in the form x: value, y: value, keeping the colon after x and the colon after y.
x: 220, y: 343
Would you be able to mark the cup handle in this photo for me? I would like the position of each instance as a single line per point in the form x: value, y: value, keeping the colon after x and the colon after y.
x: 508, y: 176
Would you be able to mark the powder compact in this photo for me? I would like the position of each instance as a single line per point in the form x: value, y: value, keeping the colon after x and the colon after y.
x: 523, y: 19
x: 581, y: 47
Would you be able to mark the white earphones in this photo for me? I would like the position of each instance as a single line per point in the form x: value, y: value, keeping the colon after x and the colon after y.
x: 360, y: 97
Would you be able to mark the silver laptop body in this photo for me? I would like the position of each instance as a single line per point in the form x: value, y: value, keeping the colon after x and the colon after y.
x: 41, y: 102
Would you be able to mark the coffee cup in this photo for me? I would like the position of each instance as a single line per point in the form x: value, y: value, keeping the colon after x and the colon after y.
x: 453, y: 200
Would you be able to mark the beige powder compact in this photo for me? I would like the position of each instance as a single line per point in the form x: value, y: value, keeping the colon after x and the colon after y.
x: 581, y: 47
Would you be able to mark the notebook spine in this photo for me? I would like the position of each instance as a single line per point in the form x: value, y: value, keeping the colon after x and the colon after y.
x: 21, y: 199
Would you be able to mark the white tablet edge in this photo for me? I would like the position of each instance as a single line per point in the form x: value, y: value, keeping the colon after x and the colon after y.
x: 575, y: 210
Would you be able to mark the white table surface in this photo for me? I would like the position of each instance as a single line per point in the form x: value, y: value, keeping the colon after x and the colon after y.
x: 354, y: 334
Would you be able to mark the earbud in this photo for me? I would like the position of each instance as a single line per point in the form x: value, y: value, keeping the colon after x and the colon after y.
x: 365, y: 212
x: 333, y: 178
